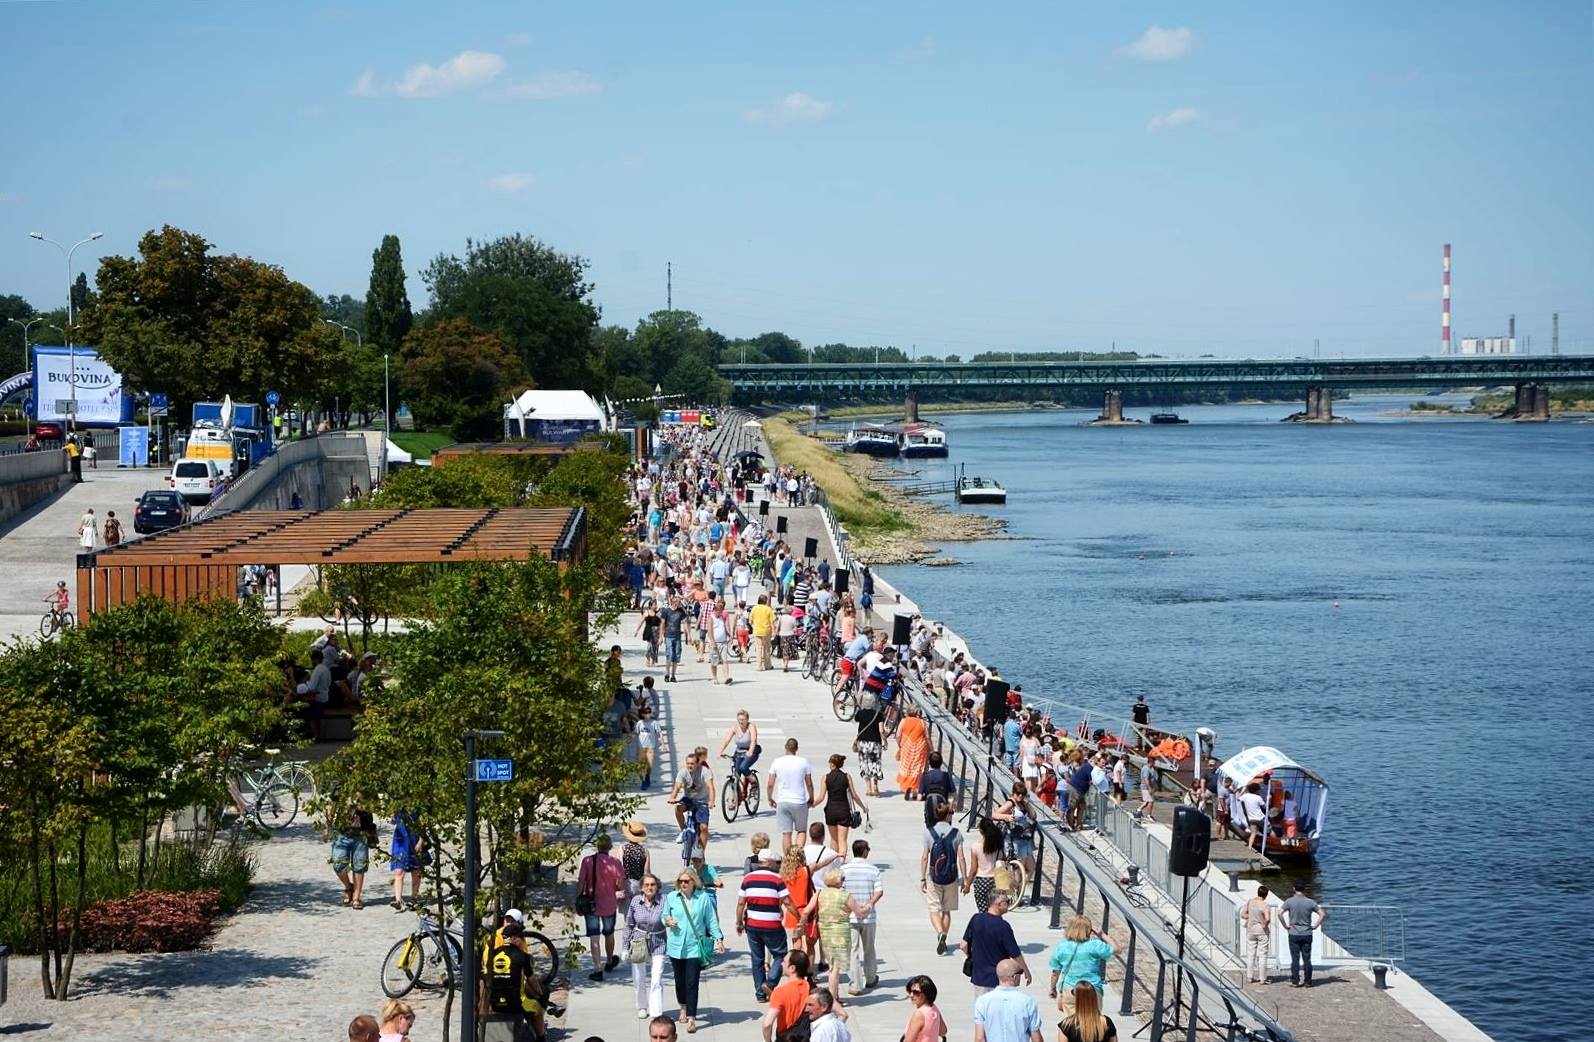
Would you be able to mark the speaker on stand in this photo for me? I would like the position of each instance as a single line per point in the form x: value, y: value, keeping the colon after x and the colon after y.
x: 843, y: 577
x: 902, y: 630
x: 810, y: 548
x: 763, y: 508
x: 995, y: 706
x: 1187, y: 856
x: 780, y: 524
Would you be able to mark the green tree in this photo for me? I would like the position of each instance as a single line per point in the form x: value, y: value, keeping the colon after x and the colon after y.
x: 345, y: 310
x: 696, y: 381
x: 664, y: 338
x: 81, y: 295
x: 199, y: 325
x: 459, y: 376
x: 12, y: 359
x: 536, y: 298
x: 387, y: 303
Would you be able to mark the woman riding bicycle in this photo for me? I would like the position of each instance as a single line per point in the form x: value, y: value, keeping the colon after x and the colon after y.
x: 744, y: 734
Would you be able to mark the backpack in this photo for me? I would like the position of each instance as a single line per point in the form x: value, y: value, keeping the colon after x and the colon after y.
x: 944, y: 858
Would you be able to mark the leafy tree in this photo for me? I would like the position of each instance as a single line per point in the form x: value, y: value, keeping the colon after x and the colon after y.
x: 80, y: 292
x: 696, y: 381
x: 536, y: 298
x: 344, y: 310
x: 198, y: 325
x: 778, y: 347
x: 458, y: 376
x: 387, y: 303
x: 591, y: 478
x: 664, y: 338
x: 616, y: 357
x: 12, y: 360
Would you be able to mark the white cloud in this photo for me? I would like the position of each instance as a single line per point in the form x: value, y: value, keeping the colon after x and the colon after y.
x: 508, y: 183
x: 463, y: 71
x: 549, y: 85
x: 6, y: 198
x: 1157, y: 44
x: 365, y: 86
x: 793, y: 108
x: 1180, y: 117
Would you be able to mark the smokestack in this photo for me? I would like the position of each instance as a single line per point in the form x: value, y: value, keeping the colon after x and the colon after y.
x: 1555, y: 333
x: 1444, y: 346
x: 1511, y: 328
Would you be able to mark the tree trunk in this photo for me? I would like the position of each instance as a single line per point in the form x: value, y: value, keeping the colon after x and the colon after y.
x: 143, y: 844
x: 116, y: 849
x: 65, y: 983
x: 38, y: 913
x: 55, y: 920
x: 160, y: 826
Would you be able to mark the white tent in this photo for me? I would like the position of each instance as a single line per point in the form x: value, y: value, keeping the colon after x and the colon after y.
x: 568, y: 410
x: 398, y: 455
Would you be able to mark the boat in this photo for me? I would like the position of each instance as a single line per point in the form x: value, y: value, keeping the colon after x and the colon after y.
x: 871, y: 441
x: 922, y: 441
x: 1167, y: 417
x: 1295, y: 797
x: 978, y: 490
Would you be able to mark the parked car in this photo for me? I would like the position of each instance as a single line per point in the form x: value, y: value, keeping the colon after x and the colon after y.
x: 194, y: 479
x: 158, y: 509
x: 49, y: 430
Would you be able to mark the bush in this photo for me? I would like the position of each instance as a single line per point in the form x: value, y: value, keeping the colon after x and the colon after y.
x: 149, y: 921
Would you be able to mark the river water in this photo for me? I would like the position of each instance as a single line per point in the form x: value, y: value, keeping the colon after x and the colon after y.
x: 1445, y: 698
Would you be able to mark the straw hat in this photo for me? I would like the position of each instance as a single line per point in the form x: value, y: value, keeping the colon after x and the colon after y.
x: 635, y: 831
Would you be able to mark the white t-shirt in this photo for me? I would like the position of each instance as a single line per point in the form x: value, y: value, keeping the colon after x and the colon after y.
x: 1255, y: 809
x: 790, y: 773
x: 647, y: 734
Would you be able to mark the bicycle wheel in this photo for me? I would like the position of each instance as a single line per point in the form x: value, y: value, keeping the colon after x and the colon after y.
x: 299, y: 778
x: 730, y: 801
x: 544, y: 958
x: 1015, y: 869
x: 66, y: 622
x: 845, y: 704
x: 810, y: 662
x: 403, y: 966
x: 47, y: 626
x: 276, y: 807
x: 750, y: 804
x: 888, y: 726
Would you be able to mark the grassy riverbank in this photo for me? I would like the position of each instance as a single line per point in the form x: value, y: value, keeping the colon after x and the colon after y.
x: 862, y: 509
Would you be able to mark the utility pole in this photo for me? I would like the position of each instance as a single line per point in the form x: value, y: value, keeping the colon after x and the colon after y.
x: 1555, y: 333
x: 669, y: 288
x: 1317, y: 348
x: 469, y: 920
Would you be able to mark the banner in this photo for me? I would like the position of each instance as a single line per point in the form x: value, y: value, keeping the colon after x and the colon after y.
x: 134, y: 447
x: 98, y: 386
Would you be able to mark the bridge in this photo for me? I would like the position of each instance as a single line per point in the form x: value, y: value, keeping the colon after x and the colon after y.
x: 1315, y: 379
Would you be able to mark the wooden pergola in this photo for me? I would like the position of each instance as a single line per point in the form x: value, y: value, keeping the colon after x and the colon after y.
x: 202, y: 559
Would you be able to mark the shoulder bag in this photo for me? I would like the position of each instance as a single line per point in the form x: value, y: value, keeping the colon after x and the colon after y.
x: 585, y: 902
x: 705, y: 945
x: 638, y: 949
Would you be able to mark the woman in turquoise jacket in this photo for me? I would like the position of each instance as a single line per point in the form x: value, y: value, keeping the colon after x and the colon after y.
x: 689, y: 920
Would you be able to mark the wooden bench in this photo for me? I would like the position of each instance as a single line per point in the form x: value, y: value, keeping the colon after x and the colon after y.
x: 337, y: 724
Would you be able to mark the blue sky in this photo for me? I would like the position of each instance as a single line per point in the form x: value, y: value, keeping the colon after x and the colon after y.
x: 1178, y: 178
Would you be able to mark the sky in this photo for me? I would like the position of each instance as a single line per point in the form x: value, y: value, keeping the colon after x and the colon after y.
x: 1178, y: 178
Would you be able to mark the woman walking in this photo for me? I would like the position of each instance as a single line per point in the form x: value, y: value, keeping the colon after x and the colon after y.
x: 834, y: 914
x: 985, y: 854
x: 786, y: 633
x: 407, y: 857
x: 644, y: 923
x: 870, y: 749
x: 692, y: 933
x: 913, y: 751
x: 1019, y: 813
x: 801, y: 926
x: 1087, y: 1023
x: 841, y: 795
x: 635, y: 857
x: 925, y: 1024
x: 1080, y: 958
x: 646, y: 733
x: 1257, y: 917
x: 650, y: 628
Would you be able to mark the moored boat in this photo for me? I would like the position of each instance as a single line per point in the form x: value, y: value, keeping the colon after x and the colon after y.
x: 1295, y: 798
x: 922, y: 441
x: 978, y: 490
x: 1167, y: 417
x: 871, y: 441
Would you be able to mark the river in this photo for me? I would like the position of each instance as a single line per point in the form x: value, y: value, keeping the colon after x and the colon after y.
x: 1403, y: 605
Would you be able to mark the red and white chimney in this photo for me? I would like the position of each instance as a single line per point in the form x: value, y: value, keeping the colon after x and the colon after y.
x: 1444, y: 347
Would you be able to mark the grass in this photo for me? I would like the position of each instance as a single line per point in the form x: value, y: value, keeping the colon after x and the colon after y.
x: 421, y: 444
x: 859, y: 507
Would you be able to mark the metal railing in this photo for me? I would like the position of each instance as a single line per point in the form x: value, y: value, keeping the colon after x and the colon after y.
x: 1367, y: 933
x: 1067, y: 875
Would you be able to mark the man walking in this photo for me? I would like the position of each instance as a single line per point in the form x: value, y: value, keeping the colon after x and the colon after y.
x: 1297, y: 913
x: 758, y: 913
x: 762, y: 619
x: 862, y: 882
x: 1148, y: 789
x: 941, y: 871
x: 1007, y: 1014
x: 791, y: 789
x: 989, y: 942
x: 674, y: 619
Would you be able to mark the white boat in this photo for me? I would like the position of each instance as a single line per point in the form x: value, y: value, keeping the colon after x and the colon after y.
x: 871, y: 441
x: 1295, y: 796
x: 979, y: 490
x: 922, y: 441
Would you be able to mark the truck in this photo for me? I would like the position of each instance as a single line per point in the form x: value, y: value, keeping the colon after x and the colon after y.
x: 236, y: 435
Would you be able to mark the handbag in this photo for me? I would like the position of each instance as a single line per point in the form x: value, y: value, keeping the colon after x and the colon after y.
x: 637, y: 950
x: 585, y: 903
x: 855, y: 819
x: 705, y: 945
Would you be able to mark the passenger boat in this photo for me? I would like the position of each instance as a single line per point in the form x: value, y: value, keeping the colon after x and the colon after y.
x: 1296, y: 798
x: 871, y: 441
x: 979, y: 490
x: 1167, y: 417
x: 922, y: 441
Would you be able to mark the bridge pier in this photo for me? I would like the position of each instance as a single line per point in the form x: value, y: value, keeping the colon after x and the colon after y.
x: 1112, y: 409
x: 1319, y: 407
x: 1532, y: 404
x: 910, y: 407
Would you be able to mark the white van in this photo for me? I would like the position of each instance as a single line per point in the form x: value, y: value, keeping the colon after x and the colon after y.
x: 194, y: 479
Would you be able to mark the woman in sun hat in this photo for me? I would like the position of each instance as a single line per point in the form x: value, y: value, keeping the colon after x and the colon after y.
x: 635, y: 857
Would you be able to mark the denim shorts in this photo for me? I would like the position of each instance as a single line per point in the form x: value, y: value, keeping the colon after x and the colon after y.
x: 599, y: 925
x: 349, y: 854
x: 672, y: 649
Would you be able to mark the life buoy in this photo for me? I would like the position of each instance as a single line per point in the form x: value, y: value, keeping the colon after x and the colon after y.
x: 1181, y: 749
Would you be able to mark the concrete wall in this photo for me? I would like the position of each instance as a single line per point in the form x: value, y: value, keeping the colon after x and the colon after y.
x: 27, y: 478
x: 320, y: 469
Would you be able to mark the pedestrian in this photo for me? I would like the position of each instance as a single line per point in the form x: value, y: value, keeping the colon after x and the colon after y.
x: 1004, y: 1013
x: 870, y: 742
x: 1301, y: 916
x: 791, y: 789
x: 861, y: 880
x: 763, y: 897
x: 761, y: 617
x: 719, y: 642
x: 925, y: 1023
x: 693, y: 935
x: 674, y: 617
x: 1087, y: 1022
x: 113, y: 529
x: 75, y: 459
x: 407, y: 856
x: 1079, y: 781
x: 913, y: 751
x: 786, y: 633
x: 834, y: 914
x: 987, y: 941
x: 600, y: 887
x: 645, y: 936
x: 352, y: 841
x: 983, y: 858
x: 646, y: 733
x: 1257, y: 917
x: 1148, y: 789
x: 661, y: 1029
x: 1140, y: 719
x: 801, y: 927
x: 1081, y: 956
x: 1255, y: 809
x: 88, y: 530
x: 635, y: 857
x: 941, y: 871
x: 788, y: 1002
x: 650, y: 629
x: 1020, y: 815
x: 936, y: 786
x: 1120, y: 793
x: 363, y: 1028
x: 826, y: 1019
x: 841, y: 797
x: 398, y: 1020
x: 90, y: 452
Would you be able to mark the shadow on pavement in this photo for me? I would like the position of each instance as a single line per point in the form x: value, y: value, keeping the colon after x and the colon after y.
x: 159, y: 975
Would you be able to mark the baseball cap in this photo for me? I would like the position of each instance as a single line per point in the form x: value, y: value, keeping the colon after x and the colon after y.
x: 516, y: 914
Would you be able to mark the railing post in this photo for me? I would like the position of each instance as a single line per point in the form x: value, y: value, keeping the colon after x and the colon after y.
x: 1156, y: 1001
x: 1127, y: 1006
x: 1040, y: 858
x: 1057, y: 897
x: 1079, y: 905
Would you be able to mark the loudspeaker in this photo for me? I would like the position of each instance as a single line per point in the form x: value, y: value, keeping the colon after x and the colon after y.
x: 1192, y: 842
x: 902, y: 631
x: 811, y: 547
x: 995, y: 700
x: 842, y: 578
x: 763, y: 507
x: 780, y: 524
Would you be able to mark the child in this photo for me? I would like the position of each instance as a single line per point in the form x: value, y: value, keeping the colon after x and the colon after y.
x: 759, y: 841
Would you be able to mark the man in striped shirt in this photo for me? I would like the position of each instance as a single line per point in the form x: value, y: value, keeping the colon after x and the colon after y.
x: 861, y: 880
x: 758, y: 912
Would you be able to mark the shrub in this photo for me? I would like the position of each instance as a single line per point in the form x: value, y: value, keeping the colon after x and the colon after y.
x: 150, y: 921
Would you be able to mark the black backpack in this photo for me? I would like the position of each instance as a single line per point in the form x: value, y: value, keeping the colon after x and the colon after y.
x: 944, y: 858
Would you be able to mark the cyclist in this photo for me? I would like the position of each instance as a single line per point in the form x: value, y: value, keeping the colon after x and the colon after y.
x: 511, y: 985
x: 855, y: 650
x: 60, y: 602
x: 744, y: 734
x: 693, y: 796
x: 879, y: 669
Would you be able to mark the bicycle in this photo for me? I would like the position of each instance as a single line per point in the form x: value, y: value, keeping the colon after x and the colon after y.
x: 689, y: 840
x: 295, y: 774
x: 430, y: 957
x: 55, y: 621
x: 273, y: 805
x: 1017, y: 878
x: 740, y: 792
x: 816, y: 649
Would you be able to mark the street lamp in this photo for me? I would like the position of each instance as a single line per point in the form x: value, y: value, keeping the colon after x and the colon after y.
x: 71, y: 355
x: 358, y: 340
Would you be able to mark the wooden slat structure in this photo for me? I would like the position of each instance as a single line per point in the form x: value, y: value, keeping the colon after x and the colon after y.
x: 202, y: 559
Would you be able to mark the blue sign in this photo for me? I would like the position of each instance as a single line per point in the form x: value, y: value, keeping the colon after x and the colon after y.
x: 157, y: 402
x: 495, y: 770
x: 134, y: 447
x: 272, y: 398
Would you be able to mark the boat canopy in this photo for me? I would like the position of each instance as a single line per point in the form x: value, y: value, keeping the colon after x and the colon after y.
x: 1249, y: 765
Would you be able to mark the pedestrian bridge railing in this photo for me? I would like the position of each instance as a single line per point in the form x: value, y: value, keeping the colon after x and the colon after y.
x: 1179, y: 996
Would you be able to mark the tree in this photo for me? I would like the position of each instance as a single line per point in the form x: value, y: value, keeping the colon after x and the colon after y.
x: 346, y: 311
x: 696, y: 381
x: 664, y: 338
x: 80, y: 293
x: 778, y: 347
x: 198, y: 325
x: 536, y: 298
x: 458, y: 376
x: 387, y: 303
x: 12, y: 359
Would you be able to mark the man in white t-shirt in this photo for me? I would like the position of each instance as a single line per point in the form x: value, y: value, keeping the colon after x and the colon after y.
x: 791, y: 791
x: 1255, y: 815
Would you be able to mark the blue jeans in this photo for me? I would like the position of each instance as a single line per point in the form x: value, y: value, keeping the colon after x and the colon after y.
x: 761, y: 939
x: 672, y: 649
x: 1300, y: 957
x: 743, y: 762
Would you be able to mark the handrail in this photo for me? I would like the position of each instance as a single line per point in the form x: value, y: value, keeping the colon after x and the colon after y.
x: 1244, y: 1018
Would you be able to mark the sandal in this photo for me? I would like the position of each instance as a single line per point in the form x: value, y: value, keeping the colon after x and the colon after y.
x: 348, y: 894
x: 357, y: 906
x: 396, y: 905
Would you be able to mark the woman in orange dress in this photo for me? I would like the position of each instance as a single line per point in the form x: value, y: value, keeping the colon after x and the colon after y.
x: 913, y: 749
x: 802, y: 928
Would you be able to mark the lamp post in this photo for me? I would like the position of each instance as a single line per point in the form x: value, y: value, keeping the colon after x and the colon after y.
x: 387, y: 414
x: 71, y: 355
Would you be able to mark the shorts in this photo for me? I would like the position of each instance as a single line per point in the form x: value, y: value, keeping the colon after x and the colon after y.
x: 716, y: 653
x: 942, y: 898
x: 1023, y: 848
x: 696, y: 811
x: 599, y: 925
x: 1075, y: 797
x: 791, y: 817
x: 349, y: 854
x: 672, y: 650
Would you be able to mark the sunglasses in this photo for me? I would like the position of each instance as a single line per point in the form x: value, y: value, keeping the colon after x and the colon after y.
x: 685, y: 882
x: 915, y: 991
